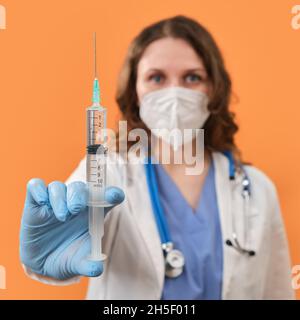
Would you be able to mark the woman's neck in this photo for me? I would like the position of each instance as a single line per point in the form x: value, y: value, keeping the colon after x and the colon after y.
x: 185, y: 157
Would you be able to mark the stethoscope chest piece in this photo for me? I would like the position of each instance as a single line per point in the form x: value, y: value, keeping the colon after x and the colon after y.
x: 174, y: 263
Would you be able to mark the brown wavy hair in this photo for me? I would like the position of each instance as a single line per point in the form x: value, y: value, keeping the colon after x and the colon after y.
x: 220, y: 127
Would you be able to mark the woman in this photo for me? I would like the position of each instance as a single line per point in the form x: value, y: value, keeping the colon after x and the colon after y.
x: 176, y: 235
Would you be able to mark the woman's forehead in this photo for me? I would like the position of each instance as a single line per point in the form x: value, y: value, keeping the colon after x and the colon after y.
x: 170, y: 53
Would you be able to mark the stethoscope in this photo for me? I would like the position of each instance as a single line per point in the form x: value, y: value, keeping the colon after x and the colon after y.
x: 246, y: 193
x: 174, y: 258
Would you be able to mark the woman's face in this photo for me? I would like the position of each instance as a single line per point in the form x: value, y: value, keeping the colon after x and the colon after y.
x: 169, y: 62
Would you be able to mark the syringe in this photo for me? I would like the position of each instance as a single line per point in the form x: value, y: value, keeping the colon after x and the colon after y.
x: 96, y: 168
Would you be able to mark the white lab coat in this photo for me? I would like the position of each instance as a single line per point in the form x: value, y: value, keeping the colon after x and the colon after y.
x: 134, y: 268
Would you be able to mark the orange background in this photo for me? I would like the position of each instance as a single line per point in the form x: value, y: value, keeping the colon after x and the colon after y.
x: 46, y: 73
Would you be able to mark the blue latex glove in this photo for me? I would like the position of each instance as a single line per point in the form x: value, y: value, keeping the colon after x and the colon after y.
x: 54, y: 238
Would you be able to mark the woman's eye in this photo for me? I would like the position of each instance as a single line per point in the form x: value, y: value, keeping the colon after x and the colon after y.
x: 156, y: 78
x: 193, y: 78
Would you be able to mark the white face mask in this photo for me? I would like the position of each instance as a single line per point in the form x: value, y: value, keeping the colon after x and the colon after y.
x: 174, y: 108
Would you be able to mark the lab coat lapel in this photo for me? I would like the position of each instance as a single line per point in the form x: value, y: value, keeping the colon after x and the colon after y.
x: 145, y: 219
x: 224, y: 198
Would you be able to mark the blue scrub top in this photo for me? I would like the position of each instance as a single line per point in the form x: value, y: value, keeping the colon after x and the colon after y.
x: 197, y: 234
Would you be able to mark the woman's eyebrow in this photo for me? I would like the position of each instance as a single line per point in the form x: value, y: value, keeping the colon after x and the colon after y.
x: 195, y: 69
x: 200, y: 70
x: 154, y: 69
x: 186, y: 70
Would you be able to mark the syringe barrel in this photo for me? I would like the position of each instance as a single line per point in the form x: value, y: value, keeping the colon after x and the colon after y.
x: 96, y: 154
x: 96, y: 174
x: 96, y: 125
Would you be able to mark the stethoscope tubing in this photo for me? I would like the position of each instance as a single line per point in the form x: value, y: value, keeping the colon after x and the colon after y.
x: 158, y: 211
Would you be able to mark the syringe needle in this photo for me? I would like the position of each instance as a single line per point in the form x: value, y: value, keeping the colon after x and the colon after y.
x: 95, y: 55
x: 96, y: 89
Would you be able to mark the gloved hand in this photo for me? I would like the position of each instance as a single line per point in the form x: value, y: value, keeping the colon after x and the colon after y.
x: 54, y: 238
